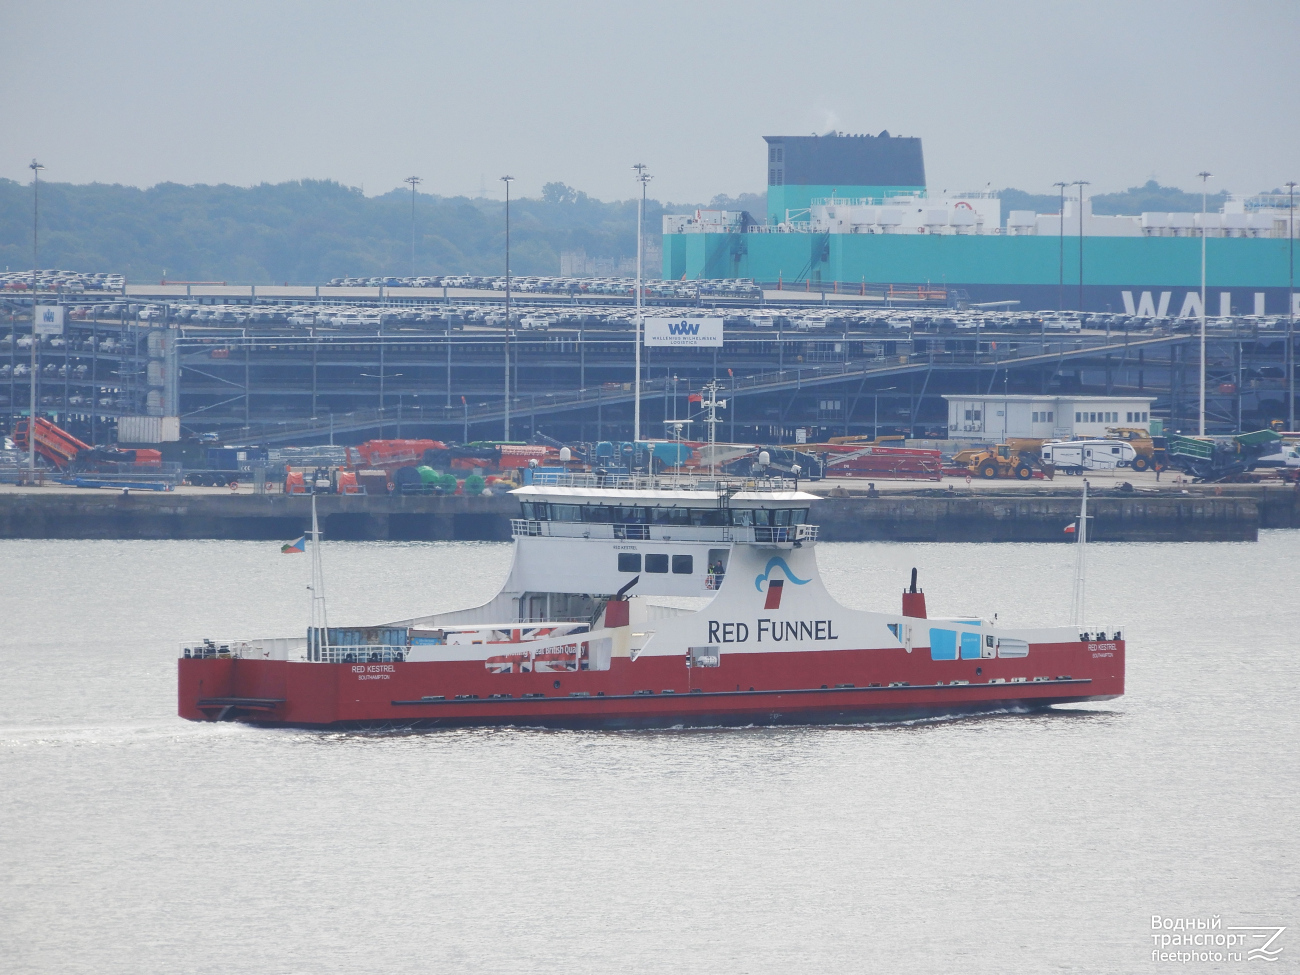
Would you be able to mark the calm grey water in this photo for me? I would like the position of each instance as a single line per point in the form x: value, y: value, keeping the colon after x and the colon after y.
x: 133, y: 842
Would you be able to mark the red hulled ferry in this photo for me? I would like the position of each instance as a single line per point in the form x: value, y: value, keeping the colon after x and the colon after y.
x: 638, y: 603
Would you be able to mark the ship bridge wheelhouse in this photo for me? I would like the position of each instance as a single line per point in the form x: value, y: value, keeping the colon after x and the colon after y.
x: 673, y: 540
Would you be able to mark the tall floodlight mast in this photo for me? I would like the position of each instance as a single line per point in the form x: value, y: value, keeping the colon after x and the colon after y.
x: 1081, y: 183
x: 1204, y: 178
x: 1060, y: 288
x: 1290, y: 310
x: 36, y: 168
x: 643, y: 178
x: 414, y: 181
x: 506, y: 434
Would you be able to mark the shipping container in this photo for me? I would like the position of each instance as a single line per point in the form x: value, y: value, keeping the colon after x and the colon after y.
x: 148, y: 429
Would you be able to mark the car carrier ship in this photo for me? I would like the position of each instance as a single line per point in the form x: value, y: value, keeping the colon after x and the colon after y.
x: 852, y: 214
x: 636, y: 602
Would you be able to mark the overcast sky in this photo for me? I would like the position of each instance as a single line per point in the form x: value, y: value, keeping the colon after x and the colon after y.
x: 1008, y: 94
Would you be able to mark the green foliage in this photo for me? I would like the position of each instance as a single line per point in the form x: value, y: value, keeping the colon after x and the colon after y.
x: 1134, y: 200
x: 305, y: 232
x: 1153, y: 196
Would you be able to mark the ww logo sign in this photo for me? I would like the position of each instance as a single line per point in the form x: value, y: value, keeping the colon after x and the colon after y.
x: 683, y: 332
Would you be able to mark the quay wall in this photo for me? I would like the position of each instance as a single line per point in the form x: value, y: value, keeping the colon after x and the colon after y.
x: 921, y: 515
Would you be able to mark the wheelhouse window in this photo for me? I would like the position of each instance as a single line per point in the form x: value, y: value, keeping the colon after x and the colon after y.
x: 709, y: 517
x: 670, y: 516
x: 765, y: 517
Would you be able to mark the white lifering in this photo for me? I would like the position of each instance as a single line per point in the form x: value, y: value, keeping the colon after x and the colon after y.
x: 234, y: 485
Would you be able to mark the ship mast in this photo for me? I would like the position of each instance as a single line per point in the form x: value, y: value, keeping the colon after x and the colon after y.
x: 712, y: 404
x: 318, y: 622
x: 1081, y: 560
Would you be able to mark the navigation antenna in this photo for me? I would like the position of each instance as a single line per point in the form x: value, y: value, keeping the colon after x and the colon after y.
x: 1081, y: 560
x: 319, y: 623
x: 711, y: 405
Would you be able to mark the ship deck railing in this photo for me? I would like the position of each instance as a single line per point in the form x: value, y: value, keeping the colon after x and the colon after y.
x: 362, y: 654
x: 328, y: 653
x: 753, y: 534
x: 695, y: 481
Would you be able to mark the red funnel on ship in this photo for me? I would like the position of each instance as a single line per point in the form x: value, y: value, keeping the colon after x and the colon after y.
x: 914, y: 600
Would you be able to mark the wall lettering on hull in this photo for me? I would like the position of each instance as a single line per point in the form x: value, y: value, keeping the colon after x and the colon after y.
x: 1145, y: 306
x: 776, y: 631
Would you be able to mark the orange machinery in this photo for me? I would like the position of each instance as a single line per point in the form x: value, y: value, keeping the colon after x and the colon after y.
x: 63, y: 450
x: 389, y: 455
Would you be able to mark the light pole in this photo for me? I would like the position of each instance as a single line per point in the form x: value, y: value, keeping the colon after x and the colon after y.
x: 506, y: 435
x: 1290, y: 310
x: 36, y: 168
x: 414, y: 181
x: 875, y: 415
x: 1081, y: 183
x: 643, y: 178
x: 1204, y: 178
x: 381, y: 376
x: 1060, y: 293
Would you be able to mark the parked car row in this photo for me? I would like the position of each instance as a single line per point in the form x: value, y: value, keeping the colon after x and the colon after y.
x: 56, y: 279
x: 534, y: 284
x: 72, y: 341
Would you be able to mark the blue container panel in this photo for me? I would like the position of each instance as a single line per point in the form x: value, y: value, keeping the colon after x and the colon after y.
x: 943, y: 644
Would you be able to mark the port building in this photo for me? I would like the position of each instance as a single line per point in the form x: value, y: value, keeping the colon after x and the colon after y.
x: 1044, y: 417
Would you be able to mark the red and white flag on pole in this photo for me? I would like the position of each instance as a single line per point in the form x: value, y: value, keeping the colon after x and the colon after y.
x: 1072, y: 527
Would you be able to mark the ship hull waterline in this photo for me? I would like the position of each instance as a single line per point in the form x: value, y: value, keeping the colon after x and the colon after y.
x: 833, y: 687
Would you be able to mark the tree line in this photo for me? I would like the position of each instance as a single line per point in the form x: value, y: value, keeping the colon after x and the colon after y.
x: 308, y: 231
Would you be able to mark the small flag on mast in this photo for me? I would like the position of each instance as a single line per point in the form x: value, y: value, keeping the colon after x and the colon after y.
x: 294, y: 548
x: 1072, y: 527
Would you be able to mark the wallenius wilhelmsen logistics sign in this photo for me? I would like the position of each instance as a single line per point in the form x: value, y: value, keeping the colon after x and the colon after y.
x: 683, y: 332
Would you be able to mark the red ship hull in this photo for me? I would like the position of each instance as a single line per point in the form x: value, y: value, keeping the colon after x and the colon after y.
x: 660, y: 691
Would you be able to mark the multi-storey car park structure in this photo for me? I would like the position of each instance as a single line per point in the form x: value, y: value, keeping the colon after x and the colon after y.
x: 279, y: 369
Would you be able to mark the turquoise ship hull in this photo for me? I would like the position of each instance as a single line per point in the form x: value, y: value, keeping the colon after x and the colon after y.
x: 1000, y: 268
